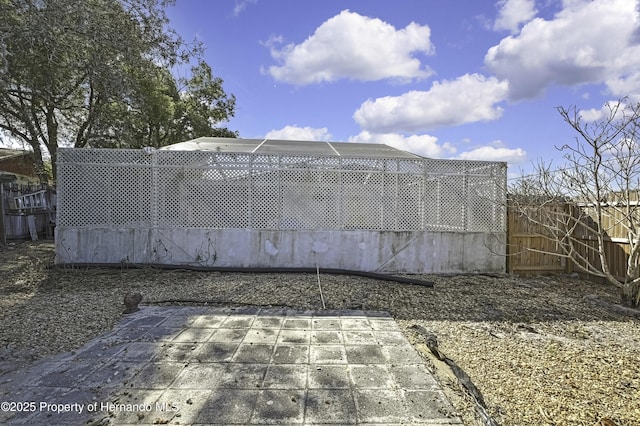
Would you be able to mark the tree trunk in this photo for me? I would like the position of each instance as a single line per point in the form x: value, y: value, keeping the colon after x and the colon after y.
x: 52, y: 138
x: 38, y: 164
x: 53, y: 151
x: 631, y: 294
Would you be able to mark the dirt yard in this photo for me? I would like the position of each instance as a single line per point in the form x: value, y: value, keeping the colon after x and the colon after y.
x: 541, y: 350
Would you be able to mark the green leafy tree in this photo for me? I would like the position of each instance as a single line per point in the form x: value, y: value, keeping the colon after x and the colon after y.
x: 96, y: 73
x: 203, y: 105
x: 163, y: 111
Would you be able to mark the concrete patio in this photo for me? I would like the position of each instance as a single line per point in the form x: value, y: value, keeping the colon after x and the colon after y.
x: 211, y: 365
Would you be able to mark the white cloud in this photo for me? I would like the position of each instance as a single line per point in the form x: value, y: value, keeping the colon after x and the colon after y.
x: 613, y: 109
x: 495, y: 153
x: 593, y: 114
x: 355, y: 47
x: 586, y: 42
x: 296, y: 133
x: 514, y: 13
x: 241, y: 5
x: 626, y: 85
x: 424, y: 145
x: 467, y: 99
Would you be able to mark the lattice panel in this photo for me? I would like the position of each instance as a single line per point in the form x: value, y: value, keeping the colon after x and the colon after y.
x: 411, y: 202
x: 295, y: 161
x: 411, y: 167
x: 194, y: 189
x: 94, y: 193
x: 452, y: 204
x: 486, y: 212
x: 265, y: 199
x: 331, y: 163
x: 444, y: 167
x: 389, y: 208
x: 99, y: 196
x: 261, y: 162
x: 327, y: 195
x: 362, y: 201
x: 107, y: 157
x: 362, y: 164
x: 203, y: 197
x: 309, y: 200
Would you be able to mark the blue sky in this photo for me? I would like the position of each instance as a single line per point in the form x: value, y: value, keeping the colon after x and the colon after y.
x: 468, y: 79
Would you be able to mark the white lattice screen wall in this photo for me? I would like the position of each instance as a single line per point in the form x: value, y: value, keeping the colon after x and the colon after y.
x: 192, y: 189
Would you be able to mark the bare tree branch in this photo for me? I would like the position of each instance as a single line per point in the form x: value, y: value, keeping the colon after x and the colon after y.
x: 599, y: 186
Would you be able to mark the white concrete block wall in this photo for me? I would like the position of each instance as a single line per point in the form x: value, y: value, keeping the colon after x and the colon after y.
x: 386, y: 251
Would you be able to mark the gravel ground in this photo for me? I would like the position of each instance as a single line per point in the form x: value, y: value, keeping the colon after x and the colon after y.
x: 542, y: 350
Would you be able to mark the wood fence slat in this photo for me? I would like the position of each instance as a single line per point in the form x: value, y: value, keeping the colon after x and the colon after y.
x: 524, y: 243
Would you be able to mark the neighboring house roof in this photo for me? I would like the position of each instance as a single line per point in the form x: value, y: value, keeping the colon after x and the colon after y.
x: 19, y: 163
x: 289, y: 147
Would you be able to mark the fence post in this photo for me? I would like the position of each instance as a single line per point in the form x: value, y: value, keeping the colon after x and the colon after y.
x: 3, y: 178
x: 3, y: 235
x: 155, y: 191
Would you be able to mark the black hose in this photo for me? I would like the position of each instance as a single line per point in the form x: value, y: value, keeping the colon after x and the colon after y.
x: 251, y: 270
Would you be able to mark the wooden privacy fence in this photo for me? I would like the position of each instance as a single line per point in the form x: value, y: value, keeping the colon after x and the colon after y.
x: 26, y: 211
x: 530, y: 252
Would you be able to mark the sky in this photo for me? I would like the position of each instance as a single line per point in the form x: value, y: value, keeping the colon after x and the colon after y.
x: 460, y: 79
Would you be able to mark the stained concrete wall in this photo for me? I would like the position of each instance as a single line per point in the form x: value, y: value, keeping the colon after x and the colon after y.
x: 381, y: 251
